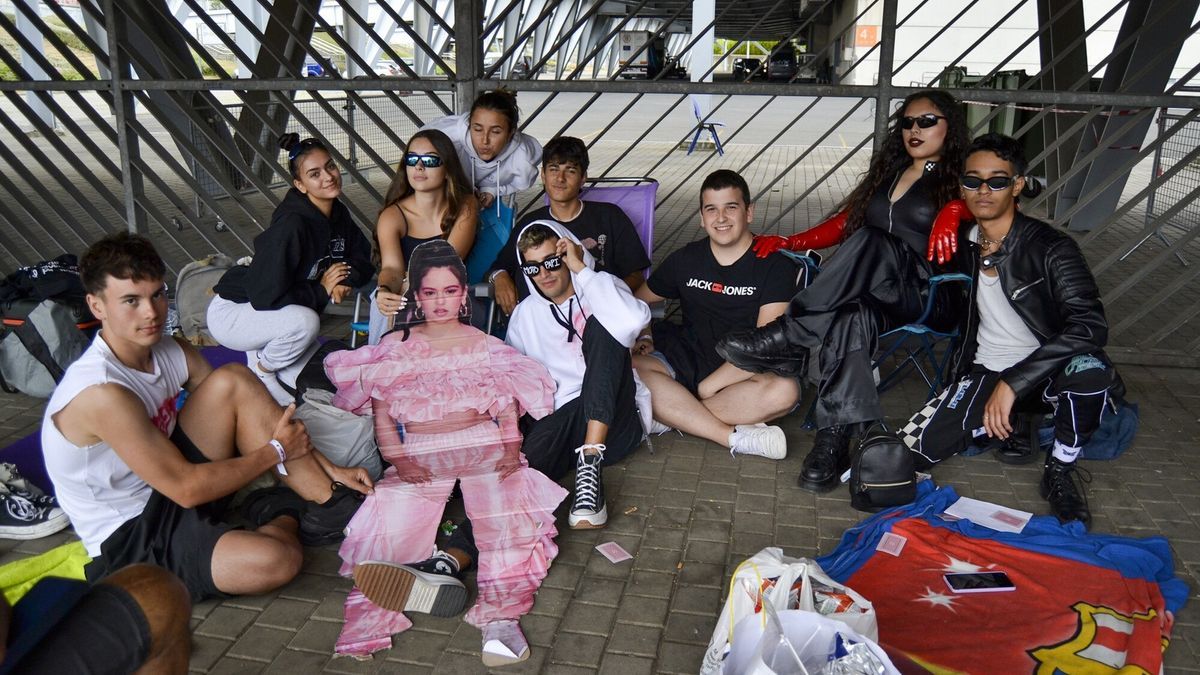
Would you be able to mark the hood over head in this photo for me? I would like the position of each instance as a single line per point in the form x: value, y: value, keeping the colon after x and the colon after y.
x: 588, y: 258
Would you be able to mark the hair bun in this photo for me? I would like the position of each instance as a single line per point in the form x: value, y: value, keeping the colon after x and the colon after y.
x: 1033, y: 187
x: 289, y: 140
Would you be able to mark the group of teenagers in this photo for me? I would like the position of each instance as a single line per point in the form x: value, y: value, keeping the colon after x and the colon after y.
x: 581, y: 378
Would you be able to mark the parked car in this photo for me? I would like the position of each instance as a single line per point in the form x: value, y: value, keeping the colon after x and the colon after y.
x: 745, y: 67
x: 674, y: 69
x: 782, y: 65
x: 313, y: 70
x: 523, y: 70
x: 388, y: 69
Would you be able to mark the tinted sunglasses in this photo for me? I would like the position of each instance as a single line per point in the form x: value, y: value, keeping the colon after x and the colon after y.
x: 535, y: 268
x: 995, y: 183
x: 427, y: 161
x: 303, y: 146
x: 923, y: 121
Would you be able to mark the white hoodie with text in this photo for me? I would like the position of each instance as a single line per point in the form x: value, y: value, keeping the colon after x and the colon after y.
x: 534, y: 331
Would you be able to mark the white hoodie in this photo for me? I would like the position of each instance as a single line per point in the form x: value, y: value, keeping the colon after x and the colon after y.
x: 534, y: 331
x: 513, y: 170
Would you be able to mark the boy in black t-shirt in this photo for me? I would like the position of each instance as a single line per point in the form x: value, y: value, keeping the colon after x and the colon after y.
x: 603, y: 229
x: 721, y: 287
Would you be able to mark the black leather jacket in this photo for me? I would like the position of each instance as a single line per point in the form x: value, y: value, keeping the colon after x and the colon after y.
x: 1048, y: 283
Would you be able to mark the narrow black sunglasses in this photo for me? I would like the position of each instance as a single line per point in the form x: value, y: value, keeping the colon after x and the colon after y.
x: 535, y: 268
x: 427, y: 161
x: 923, y: 121
x: 995, y: 183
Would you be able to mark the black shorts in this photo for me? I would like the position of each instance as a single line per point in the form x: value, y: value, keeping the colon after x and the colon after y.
x: 62, y: 626
x: 681, y: 358
x: 169, y: 536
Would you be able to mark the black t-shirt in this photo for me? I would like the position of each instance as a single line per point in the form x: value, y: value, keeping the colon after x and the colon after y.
x: 716, y: 300
x: 603, y: 229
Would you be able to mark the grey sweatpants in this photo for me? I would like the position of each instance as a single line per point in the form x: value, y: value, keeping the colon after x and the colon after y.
x: 282, y: 339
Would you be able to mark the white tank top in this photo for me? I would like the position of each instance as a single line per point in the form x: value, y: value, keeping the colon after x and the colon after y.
x: 1003, y: 338
x: 98, y: 491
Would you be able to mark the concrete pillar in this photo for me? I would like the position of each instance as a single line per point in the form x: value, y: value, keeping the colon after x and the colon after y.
x: 245, y: 38
x: 703, y: 14
x: 29, y: 31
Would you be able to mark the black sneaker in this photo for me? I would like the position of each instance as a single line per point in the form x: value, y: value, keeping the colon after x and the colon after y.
x: 22, y: 519
x: 827, y: 461
x: 1062, y: 487
x: 21, y: 486
x: 402, y: 588
x: 322, y: 524
x: 439, y: 563
x: 266, y: 504
x: 588, y: 510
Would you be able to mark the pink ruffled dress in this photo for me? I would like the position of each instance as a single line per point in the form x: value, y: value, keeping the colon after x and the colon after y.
x: 513, y: 519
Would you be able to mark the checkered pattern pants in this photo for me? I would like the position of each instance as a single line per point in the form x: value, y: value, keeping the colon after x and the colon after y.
x: 947, y: 424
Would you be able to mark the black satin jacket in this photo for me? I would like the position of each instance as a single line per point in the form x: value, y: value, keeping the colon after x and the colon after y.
x: 1048, y: 283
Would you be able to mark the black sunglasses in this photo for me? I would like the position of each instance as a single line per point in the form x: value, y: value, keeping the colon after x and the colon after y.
x: 427, y: 161
x: 303, y: 146
x: 923, y: 121
x: 995, y: 183
x: 535, y: 268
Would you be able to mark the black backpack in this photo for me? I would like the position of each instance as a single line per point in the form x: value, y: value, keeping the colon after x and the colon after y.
x: 881, y: 471
x: 47, y: 325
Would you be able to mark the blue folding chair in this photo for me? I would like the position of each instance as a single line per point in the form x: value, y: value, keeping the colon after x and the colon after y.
x: 917, y: 342
x: 702, y: 126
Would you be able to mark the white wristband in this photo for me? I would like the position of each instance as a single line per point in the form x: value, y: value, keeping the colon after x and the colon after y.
x: 282, y: 456
x: 647, y: 338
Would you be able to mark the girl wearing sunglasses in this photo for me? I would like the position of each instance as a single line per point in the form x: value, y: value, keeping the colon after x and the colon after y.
x: 446, y: 399
x: 311, y: 254
x: 429, y: 199
x: 876, y: 281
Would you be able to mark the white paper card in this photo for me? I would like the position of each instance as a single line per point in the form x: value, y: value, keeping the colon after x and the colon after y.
x: 1000, y: 518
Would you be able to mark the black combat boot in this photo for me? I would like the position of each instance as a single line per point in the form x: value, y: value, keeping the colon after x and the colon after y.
x: 828, y: 459
x: 765, y: 350
x: 1062, y: 486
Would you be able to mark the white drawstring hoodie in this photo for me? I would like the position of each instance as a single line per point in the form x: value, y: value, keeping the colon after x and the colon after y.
x: 534, y: 330
x: 514, y: 169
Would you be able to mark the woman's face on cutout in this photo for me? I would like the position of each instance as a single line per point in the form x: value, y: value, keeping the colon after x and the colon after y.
x: 441, y: 295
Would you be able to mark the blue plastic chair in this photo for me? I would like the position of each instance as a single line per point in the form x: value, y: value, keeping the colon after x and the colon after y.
x: 918, y: 341
x: 702, y: 126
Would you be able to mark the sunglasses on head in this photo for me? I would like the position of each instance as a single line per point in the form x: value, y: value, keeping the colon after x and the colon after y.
x: 995, y: 183
x: 427, y: 161
x: 923, y: 121
x: 535, y: 268
x: 303, y: 146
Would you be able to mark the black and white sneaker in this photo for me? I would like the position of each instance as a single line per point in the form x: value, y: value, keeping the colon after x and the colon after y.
x: 22, y: 519
x: 401, y: 588
x: 22, y: 487
x: 439, y: 563
x: 588, y: 510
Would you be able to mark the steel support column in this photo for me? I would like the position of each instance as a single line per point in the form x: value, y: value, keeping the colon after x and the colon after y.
x: 887, y: 53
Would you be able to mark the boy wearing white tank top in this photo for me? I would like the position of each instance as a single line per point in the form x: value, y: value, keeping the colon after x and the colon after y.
x: 144, y: 480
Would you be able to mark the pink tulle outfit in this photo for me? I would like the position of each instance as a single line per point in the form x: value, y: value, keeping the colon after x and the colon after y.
x: 513, y: 519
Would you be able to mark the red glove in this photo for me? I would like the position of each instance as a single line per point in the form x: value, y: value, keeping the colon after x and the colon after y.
x: 943, y: 236
x: 822, y: 235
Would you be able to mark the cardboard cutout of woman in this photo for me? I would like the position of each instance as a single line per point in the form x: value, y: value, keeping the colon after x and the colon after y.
x: 446, y: 399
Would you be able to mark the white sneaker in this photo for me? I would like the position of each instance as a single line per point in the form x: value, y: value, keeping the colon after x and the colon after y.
x: 758, y: 439
x: 503, y: 643
x: 269, y: 380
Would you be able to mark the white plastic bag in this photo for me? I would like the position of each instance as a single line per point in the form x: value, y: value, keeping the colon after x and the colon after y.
x: 794, y: 642
x: 767, y: 578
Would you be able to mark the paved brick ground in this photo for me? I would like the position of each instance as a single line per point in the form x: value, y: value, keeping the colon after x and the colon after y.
x: 689, y: 512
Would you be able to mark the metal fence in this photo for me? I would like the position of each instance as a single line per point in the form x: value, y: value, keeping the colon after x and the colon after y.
x: 118, y: 115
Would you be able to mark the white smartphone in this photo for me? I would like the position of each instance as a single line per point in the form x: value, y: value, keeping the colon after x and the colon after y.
x: 979, y: 582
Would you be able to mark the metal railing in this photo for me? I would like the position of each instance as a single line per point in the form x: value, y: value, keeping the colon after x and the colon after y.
x: 114, y: 116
